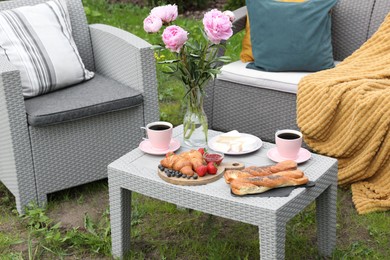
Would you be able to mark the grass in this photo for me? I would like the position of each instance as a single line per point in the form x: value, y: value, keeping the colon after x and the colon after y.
x: 75, y: 224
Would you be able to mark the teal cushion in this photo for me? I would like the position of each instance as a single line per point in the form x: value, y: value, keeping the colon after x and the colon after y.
x: 291, y: 36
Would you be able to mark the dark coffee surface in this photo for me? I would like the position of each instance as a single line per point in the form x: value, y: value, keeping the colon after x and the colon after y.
x: 159, y: 127
x: 288, y: 136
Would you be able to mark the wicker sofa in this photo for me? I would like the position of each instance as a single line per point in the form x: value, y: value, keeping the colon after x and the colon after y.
x: 68, y: 137
x: 262, y: 102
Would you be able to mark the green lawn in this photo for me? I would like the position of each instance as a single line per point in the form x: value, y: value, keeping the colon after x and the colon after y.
x: 159, y: 229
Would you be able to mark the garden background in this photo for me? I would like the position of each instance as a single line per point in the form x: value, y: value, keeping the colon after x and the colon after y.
x: 75, y: 224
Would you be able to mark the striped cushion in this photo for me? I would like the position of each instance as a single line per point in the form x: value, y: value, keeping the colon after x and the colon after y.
x: 38, y: 41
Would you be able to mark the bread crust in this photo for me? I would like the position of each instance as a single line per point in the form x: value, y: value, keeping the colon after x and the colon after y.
x: 186, y: 162
x: 254, y: 185
x: 254, y: 179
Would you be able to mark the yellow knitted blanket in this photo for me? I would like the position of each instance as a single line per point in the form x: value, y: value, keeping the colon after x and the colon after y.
x: 344, y: 113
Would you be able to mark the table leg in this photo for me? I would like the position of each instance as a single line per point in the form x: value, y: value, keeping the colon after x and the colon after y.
x: 272, y: 235
x: 326, y: 220
x: 120, y: 218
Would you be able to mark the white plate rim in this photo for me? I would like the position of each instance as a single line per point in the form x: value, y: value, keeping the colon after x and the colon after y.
x: 259, y: 143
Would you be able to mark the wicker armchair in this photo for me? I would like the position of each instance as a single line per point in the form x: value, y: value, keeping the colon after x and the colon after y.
x: 38, y: 158
x: 263, y: 106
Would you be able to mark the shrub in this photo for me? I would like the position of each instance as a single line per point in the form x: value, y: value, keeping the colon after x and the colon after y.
x: 183, y: 5
x: 234, y: 4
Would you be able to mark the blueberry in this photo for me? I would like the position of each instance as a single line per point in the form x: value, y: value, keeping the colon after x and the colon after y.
x: 184, y: 176
x: 195, y: 176
x: 169, y: 175
x: 188, y: 177
x: 179, y: 175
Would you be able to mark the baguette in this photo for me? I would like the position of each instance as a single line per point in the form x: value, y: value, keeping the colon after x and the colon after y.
x: 254, y: 185
x: 231, y: 175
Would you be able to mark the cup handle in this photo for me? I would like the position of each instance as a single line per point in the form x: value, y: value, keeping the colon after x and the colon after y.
x: 144, y: 128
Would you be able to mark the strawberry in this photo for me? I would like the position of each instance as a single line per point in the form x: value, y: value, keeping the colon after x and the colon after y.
x: 169, y: 154
x: 201, y: 170
x: 212, y: 168
x: 202, y: 150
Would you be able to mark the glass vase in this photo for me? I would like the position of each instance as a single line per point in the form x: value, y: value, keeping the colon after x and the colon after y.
x: 195, y: 120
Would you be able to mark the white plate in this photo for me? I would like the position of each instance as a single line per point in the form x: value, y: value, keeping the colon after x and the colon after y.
x: 213, y: 140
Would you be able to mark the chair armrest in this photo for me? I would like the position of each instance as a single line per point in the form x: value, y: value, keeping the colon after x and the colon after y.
x: 240, y: 21
x: 128, y: 59
x: 11, y: 95
x: 17, y: 172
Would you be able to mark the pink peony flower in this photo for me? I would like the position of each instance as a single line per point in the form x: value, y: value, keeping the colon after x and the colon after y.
x: 217, y: 26
x: 174, y: 38
x: 230, y: 14
x: 152, y: 24
x: 167, y: 13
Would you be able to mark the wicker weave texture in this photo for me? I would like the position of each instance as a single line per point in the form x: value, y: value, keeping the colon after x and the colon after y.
x: 381, y: 9
x: 78, y: 152
x: 350, y: 24
x: 129, y: 60
x: 137, y: 172
x: 16, y: 168
x: 252, y: 109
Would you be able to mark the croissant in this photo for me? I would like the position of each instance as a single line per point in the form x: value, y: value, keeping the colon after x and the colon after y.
x: 186, y: 162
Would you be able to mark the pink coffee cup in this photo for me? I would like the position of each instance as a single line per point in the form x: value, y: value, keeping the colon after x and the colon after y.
x: 159, y: 134
x: 288, y: 143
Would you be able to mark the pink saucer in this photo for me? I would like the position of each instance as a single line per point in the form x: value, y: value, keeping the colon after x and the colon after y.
x: 146, y: 147
x: 303, y: 155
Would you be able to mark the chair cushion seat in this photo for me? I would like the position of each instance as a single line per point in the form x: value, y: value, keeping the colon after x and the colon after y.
x: 281, y: 81
x: 96, y: 96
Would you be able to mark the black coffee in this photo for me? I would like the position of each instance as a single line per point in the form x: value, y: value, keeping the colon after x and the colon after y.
x: 288, y: 136
x: 159, y: 127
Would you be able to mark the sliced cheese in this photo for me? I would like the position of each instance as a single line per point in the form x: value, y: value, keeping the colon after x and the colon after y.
x: 229, y: 137
x: 248, y: 143
x: 222, y: 147
x: 236, y: 146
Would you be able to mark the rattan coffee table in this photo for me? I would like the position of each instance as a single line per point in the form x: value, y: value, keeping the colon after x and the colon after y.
x: 137, y: 171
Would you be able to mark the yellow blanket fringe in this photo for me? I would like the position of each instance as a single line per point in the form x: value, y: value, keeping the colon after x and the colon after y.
x: 344, y: 112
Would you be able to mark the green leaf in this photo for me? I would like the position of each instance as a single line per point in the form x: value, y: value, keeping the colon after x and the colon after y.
x: 168, y: 61
x: 224, y: 59
x: 195, y: 55
x: 156, y: 47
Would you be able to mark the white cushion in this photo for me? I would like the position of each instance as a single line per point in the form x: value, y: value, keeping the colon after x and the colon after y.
x: 38, y: 41
x: 282, y: 81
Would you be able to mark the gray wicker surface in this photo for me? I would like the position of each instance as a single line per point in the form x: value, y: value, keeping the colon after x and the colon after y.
x: 128, y: 60
x: 350, y: 24
x: 380, y: 11
x: 35, y: 161
x: 137, y: 172
x: 252, y: 110
x: 15, y: 150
